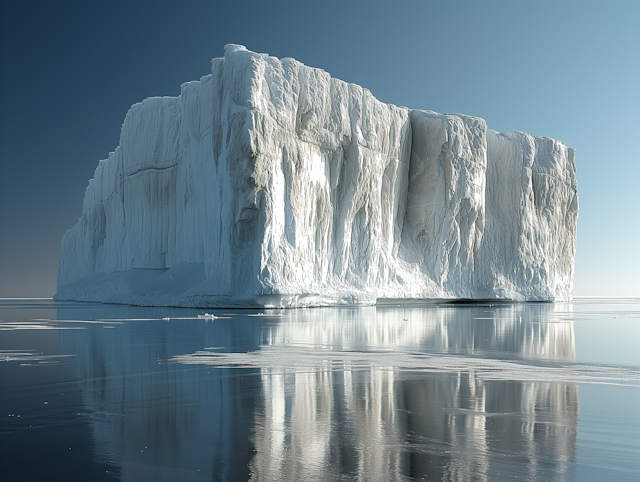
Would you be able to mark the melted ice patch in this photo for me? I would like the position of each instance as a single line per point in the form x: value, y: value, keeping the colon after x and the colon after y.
x: 30, y: 358
x: 36, y: 325
x: 299, y: 359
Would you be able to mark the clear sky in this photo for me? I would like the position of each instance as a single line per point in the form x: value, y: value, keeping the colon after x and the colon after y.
x: 69, y: 72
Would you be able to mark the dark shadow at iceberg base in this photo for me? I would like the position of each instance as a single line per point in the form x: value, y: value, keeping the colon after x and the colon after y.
x: 336, y: 400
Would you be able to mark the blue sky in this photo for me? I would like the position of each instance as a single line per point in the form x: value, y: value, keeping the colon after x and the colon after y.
x: 563, y: 69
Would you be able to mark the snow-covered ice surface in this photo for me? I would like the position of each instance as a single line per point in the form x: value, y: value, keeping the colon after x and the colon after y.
x: 269, y: 183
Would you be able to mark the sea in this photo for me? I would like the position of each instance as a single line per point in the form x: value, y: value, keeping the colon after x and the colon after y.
x: 469, y: 391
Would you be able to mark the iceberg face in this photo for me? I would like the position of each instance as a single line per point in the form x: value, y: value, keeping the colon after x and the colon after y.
x: 270, y: 183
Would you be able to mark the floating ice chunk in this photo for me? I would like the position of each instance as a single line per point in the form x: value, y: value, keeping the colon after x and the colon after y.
x: 208, y: 316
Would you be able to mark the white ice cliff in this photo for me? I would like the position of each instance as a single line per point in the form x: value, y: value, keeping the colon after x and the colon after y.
x: 270, y: 183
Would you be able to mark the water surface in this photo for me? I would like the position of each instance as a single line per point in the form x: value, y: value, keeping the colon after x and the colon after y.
x: 484, y: 391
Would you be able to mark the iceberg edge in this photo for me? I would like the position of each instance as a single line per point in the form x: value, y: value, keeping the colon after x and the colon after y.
x: 268, y: 183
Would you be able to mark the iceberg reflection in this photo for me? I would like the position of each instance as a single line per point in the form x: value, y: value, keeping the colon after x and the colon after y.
x: 386, y: 424
x: 528, y: 330
x: 444, y: 392
x: 155, y: 420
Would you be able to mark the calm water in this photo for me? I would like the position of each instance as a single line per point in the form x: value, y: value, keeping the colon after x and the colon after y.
x: 462, y: 392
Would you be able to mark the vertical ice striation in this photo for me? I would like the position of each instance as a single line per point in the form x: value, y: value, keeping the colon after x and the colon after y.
x: 445, y: 214
x: 268, y: 182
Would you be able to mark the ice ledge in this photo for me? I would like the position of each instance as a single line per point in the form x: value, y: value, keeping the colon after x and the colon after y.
x: 185, y: 286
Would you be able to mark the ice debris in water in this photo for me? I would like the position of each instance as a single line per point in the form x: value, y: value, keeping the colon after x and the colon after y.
x: 208, y: 316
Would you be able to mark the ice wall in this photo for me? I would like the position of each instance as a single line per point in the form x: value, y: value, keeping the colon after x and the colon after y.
x: 270, y: 183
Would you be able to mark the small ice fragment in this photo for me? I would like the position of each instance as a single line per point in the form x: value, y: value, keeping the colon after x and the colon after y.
x: 208, y: 316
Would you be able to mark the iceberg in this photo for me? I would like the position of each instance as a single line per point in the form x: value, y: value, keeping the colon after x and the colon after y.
x: 270, y: 183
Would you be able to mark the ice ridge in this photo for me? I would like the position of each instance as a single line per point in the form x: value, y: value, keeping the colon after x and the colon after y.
x: 270, y: 183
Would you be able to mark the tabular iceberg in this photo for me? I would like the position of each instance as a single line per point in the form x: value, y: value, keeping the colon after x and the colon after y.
x: 269, y: 183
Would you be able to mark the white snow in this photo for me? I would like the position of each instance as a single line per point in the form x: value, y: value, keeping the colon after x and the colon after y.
x: 270, y: 183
